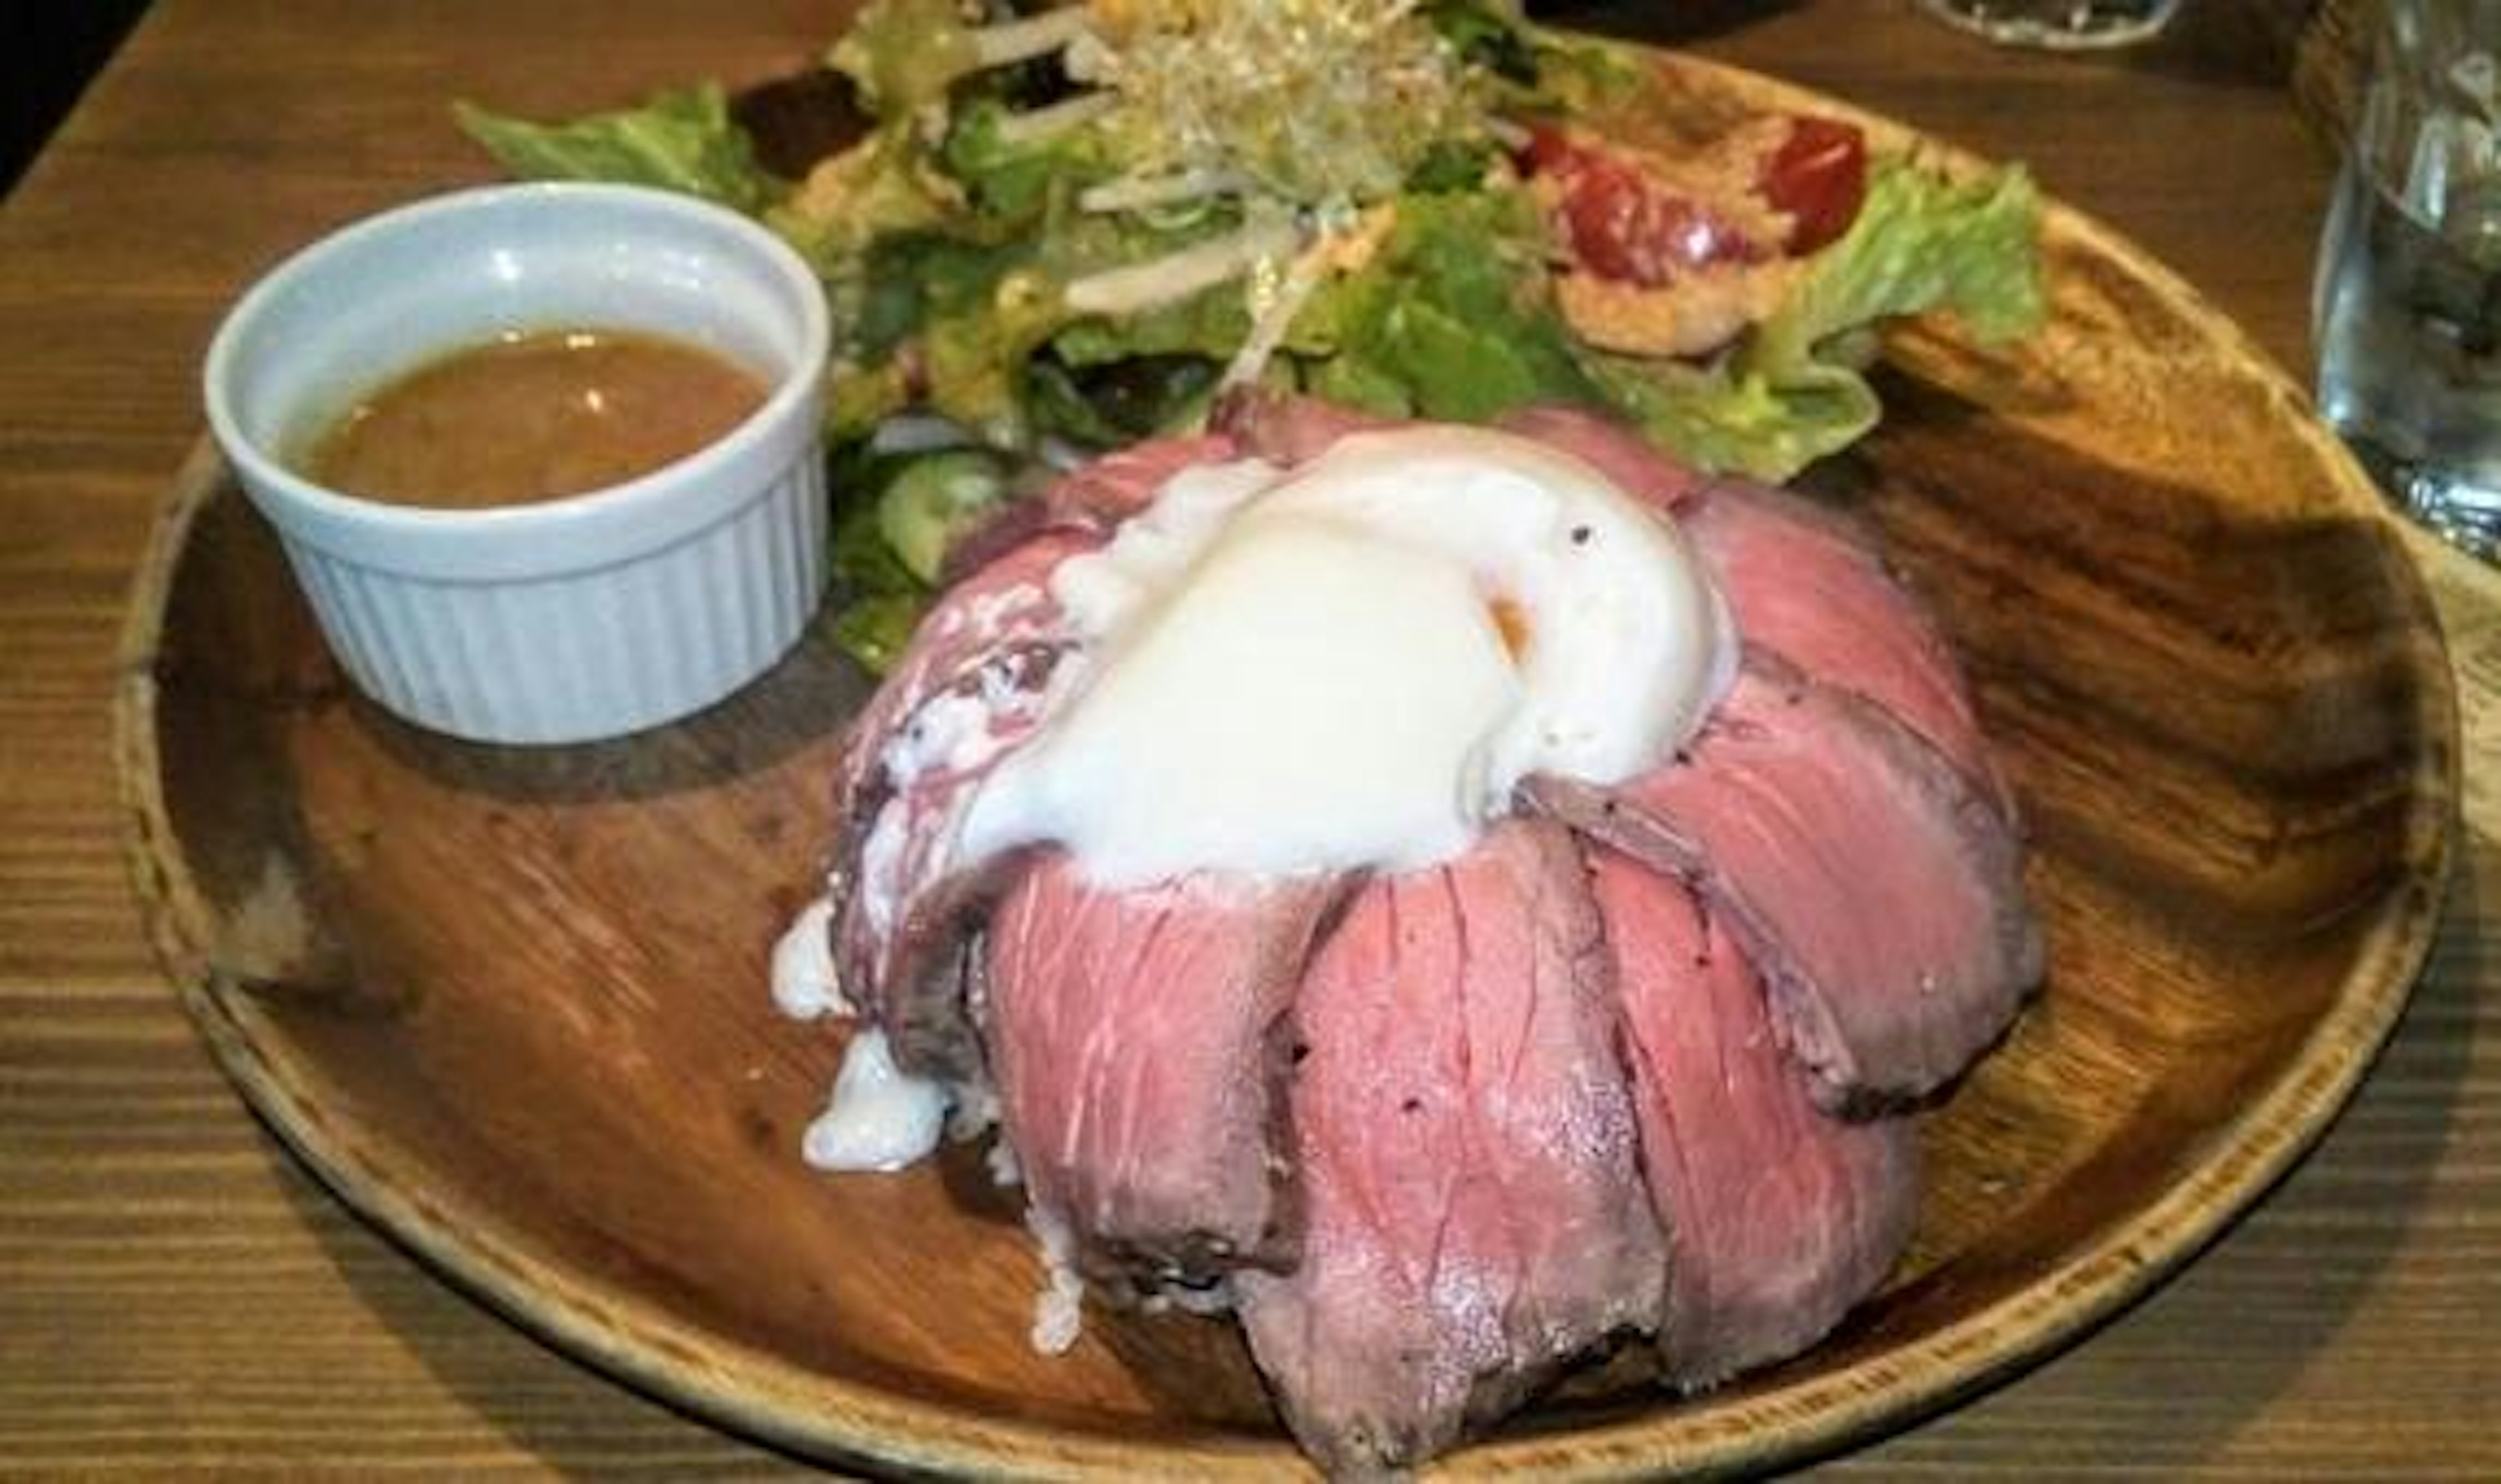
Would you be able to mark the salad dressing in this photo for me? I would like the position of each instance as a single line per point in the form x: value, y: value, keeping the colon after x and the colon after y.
x: 531, y: 417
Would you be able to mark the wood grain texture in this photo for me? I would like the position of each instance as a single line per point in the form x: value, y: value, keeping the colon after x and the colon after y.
x: 174, y: 1295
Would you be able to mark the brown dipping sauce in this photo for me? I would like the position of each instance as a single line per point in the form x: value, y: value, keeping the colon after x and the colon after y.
x: 530, y: 417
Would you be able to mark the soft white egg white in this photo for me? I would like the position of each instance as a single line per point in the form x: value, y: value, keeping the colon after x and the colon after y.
x: 1353, y: 664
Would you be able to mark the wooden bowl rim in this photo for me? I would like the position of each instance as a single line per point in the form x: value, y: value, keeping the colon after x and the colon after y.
x: 769, y: 1398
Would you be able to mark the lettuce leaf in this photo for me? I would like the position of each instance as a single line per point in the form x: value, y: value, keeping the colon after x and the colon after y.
x: 906, y: 56
x: 1123, y: 401
x: 873, y: 628
x: 975, y: 359
x: 1793, y: 391
x: 1921, y: 244
x: 1717, y: 418
x: 1451, y: 319
x: 852, y: 200
x: 681, y: 139
x: 981, y: 314
x: 1015, y: 181
x: 924, y: 314
x: 882, y: 601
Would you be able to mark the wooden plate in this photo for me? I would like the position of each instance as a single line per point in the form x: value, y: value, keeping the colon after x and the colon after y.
x: 512, y: 1006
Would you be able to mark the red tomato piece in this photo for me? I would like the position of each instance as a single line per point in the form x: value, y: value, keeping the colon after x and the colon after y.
x: 1819, y: 177
x: 1624, y: 225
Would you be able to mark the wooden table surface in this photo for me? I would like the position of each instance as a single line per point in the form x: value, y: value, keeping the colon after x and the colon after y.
x: 175, y: 1294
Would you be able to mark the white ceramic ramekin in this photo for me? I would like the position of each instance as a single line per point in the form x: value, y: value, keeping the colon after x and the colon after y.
x: 578, y: 618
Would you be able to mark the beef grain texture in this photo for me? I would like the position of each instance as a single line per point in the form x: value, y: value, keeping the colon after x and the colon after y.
x: 979, y: 666
x: 1807, y: 585
x: 1466, y: 1143
x: 1137, y: 1040
x: 1784, y: 1218
x: 1880, y: 895
x: 985, y: 662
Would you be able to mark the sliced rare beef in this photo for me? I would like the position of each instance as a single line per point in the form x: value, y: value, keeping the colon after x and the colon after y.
x: 1630, y: 462
x: 1291, y: 431
x: 997, y: 608
x: 981, y: 673
x: 1809, y: 588
x: 1287, y: 430
x: 1118, y: 485
x: 1087, y: 501
x: 1784, y: 1218
x: 1880, y: 895
x: 1475, y: 1214
x: 1137, y: 1039
x: 975, y: 681
x: 1435, y: 1135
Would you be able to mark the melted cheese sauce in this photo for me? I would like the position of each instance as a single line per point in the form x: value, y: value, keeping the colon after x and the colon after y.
x: 1354, y: 663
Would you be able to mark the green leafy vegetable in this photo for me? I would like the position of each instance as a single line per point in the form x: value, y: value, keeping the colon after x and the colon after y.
x: 882, y: 601
x: 904, y: 55
x: 1793, y: 391
x: 1488, y: 36
x: 682, y: 139
x: 874, y: 628
x: 980, y: 312
x: 934, y: 499
x: 1922, y: 243
x: 1209, y: 324
x: 1012, y: 176
x: 1449, y: 319
x: 850, y: 203
x: 1452, y: 313
x: 1071, y: 221
x: 1123, y: 400
x: 976, y: 360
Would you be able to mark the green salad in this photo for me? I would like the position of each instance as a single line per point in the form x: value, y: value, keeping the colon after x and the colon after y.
x: 1070, y: 228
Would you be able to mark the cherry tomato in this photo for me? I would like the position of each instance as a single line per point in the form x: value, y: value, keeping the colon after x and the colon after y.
x: 1621, y: 224
x: 1818, y: 176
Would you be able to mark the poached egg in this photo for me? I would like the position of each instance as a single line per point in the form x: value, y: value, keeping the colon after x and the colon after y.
x: 1351, y: 664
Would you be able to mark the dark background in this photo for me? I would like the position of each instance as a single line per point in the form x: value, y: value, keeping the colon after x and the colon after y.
x: 48, y: 50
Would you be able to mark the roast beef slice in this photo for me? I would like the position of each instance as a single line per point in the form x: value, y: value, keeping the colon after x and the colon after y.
x: 1629, y: 461
x: 1783, y: 1217
x: 1881, y: 896
x: 1137, y: 1040
x: 1809, y: 587
x: 1475, y: 1213
x: 972, y: 685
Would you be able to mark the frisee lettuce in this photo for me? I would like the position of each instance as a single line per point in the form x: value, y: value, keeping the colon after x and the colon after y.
x: 681, y: 139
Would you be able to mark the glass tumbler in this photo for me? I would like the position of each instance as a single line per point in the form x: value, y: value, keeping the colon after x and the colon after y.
x: 2066, y: 25
x: 2406, y: 312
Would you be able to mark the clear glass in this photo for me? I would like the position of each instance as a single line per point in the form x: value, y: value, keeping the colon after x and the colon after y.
x: 2066, y: 25
x: 2408, y: 308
